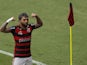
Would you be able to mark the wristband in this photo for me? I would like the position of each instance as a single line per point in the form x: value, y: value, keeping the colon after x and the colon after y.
x: 10, y: 19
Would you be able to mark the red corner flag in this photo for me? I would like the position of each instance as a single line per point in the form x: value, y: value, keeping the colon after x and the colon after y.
x: 71, y: 18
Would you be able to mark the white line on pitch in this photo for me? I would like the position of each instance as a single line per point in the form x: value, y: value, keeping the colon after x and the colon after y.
x: 10, y: 54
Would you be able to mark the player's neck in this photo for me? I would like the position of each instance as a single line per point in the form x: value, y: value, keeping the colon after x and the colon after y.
x: 23, y: 26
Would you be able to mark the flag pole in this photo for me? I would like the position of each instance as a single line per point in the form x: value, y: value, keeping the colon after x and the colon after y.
x: 71, y: 45
x: 71, y: 23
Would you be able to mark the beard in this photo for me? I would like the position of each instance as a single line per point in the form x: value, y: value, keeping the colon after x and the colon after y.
x: 24, y: 24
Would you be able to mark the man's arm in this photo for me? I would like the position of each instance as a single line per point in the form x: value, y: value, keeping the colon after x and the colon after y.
x: 4, y: 25
x: 3, y: 28
x: 38, y: 20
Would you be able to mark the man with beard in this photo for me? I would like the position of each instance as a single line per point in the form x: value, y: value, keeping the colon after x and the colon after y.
x: 22, y: 37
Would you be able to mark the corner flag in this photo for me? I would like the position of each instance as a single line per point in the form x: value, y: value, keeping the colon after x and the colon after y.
x: 71, y: 18
x: 71, y: 23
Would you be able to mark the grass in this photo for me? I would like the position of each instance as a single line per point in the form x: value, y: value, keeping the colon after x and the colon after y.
x: 4, y: 60
x: 50, y: 44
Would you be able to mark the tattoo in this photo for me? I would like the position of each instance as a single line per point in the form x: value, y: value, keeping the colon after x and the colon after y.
x: 39, y: 22
x: 3, y: 27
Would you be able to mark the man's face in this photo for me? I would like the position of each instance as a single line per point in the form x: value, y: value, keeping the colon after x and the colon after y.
x: 24, y: 21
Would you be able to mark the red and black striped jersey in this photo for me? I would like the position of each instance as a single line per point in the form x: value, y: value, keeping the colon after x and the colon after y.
x: 22, y: 40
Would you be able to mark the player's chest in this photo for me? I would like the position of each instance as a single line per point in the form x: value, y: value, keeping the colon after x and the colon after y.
x: 21, y: 31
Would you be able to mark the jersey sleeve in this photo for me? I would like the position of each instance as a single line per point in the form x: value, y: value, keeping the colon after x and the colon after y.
x: 33, y: 26
x: 12, y: 29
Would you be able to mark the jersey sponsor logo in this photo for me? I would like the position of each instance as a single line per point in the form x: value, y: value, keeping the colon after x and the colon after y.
x: 24, y: 40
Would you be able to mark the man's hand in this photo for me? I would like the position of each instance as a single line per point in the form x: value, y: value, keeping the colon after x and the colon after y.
x: 33, y: 15
x: 10, y: 19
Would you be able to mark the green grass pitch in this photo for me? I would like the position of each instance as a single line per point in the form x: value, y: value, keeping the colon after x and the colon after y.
x: 50, y: 44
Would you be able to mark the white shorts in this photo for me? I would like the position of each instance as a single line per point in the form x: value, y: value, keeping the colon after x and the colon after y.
x: 22, y: 61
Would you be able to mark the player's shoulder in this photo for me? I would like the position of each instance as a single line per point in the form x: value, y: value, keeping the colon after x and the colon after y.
x: 31, y: 24
x: 12, y: 27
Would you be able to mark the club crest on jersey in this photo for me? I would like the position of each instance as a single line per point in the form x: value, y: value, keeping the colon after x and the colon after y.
x: 20, y: 33
x: 28, y: 30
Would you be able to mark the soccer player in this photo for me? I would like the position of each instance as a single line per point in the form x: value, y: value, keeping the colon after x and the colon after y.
x: 22, y: 37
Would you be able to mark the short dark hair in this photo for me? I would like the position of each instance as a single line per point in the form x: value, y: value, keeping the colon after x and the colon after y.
x: 22, y: 15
